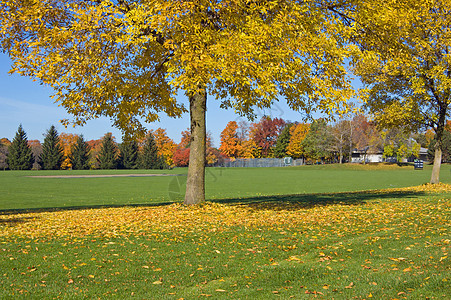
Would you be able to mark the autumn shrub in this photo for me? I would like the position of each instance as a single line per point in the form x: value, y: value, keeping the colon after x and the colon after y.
x: 181, y: 157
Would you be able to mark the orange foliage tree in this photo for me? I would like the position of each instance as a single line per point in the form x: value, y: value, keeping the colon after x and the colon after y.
x: 5, y: 142
x: 230, y: 144
x: 249, y: 149
x: 166, y: 146
x: 95, y: 146
x: 66, y: 141
x: 186, y: 139
x: 298, y: 133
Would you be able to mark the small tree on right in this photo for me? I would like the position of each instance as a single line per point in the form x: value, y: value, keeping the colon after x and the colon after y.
x: 405, y: 64
x: 20, y: 156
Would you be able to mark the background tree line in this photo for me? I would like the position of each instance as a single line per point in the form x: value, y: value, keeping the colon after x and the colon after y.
x: 320, y: 141
x: 70, y: 151
x: 317, y: 141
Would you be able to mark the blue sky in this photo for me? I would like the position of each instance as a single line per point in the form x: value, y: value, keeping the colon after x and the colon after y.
x: 24, y: 101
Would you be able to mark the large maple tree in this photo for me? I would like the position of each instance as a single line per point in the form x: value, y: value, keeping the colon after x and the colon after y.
x: 127, y: 60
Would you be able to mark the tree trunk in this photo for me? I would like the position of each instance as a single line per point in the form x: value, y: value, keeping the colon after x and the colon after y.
x: 195, y: 183
x: 435, y: 176
x: 350, y: 141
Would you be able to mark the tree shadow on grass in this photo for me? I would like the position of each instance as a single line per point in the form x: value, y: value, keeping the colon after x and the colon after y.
x: 13, y: 211
x: 305, y: 201
x: 14, y: 221
x: 275, y: 202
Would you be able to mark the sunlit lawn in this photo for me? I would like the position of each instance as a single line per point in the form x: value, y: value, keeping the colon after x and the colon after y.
x: 383, y: 244
x: 18, y: 191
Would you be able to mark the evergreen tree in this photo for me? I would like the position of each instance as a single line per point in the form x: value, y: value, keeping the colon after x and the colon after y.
x: 128, y: 158
x: 282, y: 142
x: 149, y: 157
x: 20, y: 156
x: 79, y: 156
x: 52, y: 152
x: 107, y: 157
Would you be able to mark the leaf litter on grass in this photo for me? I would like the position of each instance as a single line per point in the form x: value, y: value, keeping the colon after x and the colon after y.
x: 212, y: 216
x: 343, y: 243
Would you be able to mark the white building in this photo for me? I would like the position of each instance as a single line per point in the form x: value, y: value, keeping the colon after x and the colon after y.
x: 358, y: 156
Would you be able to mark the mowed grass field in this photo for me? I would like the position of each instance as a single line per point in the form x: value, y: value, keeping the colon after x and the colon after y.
x: 327, y: 232
x: 19, y: 190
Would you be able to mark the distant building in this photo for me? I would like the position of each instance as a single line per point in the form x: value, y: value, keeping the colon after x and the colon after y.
x: 362, y: 155
x: 359, y: 156
x: 423, y: 154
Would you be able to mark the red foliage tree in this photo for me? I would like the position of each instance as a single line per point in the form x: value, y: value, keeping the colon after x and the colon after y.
x: 181, y: 157
x: 265, y: 133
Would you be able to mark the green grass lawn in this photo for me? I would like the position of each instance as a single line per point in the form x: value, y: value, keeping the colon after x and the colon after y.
x: 18, y: 191
x: 278, y: 233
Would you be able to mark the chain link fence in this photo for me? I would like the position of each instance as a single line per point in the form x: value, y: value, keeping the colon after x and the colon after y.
x: 261, y: 162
